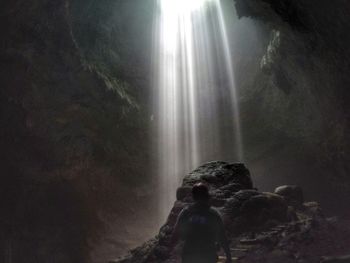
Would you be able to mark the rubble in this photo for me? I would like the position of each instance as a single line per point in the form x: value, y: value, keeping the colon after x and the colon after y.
x: 261, y: 226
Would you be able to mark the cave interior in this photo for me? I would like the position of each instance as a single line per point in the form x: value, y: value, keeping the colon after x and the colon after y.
x: 77, y: 154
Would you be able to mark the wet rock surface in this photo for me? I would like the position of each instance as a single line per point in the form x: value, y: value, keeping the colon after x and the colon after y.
x: 262, y: 227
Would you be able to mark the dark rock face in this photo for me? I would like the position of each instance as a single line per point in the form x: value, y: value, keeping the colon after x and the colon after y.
x: 301, y: 93
x: 65, y: 161
x: 272, y: 10
x: 262, y: 227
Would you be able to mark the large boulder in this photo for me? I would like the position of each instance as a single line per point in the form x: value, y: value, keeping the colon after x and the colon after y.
x: 219, y: 174
x: 223, y: 180
x: 249, y: 209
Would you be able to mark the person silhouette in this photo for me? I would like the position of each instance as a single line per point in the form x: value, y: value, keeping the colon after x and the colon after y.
x: 202, y: 230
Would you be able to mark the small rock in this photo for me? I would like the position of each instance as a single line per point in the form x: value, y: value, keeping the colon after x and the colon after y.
x: 292, y: 193
x: 312, y: 208
x: 232, y: 187
x: 244, y: 195
x: 264, y: 207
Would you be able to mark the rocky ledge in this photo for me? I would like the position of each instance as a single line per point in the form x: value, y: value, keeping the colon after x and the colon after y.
x: 262, y: 227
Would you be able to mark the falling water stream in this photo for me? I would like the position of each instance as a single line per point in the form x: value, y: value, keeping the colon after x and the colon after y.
x: 197, y: 111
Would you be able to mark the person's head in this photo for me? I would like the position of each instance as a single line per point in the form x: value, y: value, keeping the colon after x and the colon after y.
x: 200, y: 193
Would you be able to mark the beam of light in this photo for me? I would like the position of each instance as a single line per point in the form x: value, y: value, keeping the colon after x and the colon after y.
x: 232, y: 83
x: 196, y: 105
x: 181, y: 6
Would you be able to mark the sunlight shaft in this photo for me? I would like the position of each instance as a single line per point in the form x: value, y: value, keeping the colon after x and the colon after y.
x: 197, y: 101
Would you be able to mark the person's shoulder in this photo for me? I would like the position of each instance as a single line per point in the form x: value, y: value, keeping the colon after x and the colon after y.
x: 214, y: 212
x: 216, y: 216
x: 185, y: 210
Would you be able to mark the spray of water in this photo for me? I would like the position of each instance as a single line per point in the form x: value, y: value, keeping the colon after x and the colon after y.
x: 197, y: 111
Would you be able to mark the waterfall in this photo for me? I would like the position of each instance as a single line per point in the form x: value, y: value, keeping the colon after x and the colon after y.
x: 196, y: 101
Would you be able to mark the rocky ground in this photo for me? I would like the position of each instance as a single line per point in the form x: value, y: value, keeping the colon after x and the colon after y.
x: 262, y: 227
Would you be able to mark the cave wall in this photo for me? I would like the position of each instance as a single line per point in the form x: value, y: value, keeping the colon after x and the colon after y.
x: 299, y: 99
x: 72, y: 138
